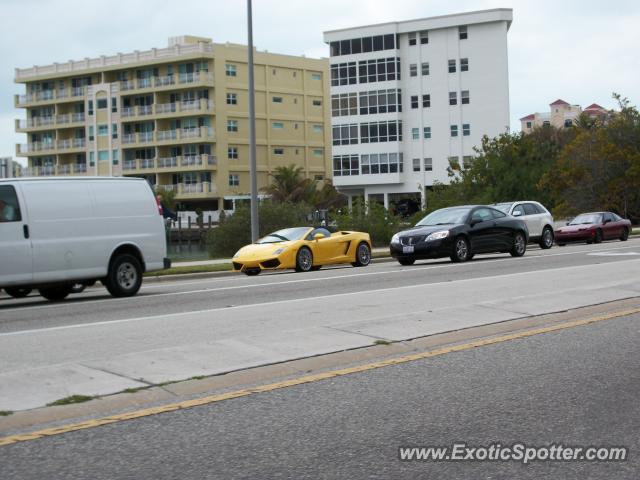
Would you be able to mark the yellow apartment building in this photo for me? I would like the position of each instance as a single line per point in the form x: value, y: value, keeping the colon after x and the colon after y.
x: 177, y: 116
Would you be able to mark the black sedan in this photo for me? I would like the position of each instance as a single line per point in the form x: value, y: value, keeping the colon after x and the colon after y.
x: 460, y: 233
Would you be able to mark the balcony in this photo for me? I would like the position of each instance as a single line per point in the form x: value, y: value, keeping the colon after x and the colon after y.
x: 182, y: 163
x: 191, y: 190
x: 49, y: 96
x: 168, y: 81
x: 59, y: 121
x: 53, y: 170
x: 51, y: 146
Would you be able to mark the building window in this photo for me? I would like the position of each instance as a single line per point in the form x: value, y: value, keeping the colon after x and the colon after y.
x: 528, y: 124
x: 427, y: 132
x: 464, y: 64
x: 345, y: 165
x: 414, y: 101
x: 317, y: 129
x: 416, y: 164
x: 102, y: 103
x: 316, y: 76
x: 277, y: 99
x: 568, y: 123
x: 413, y: 70
x: 92, y: 158
x: 464, y: 97
x: 317, y: 103
x: 454, y: 130
x: 425, y: 68
x: 115, y: 157
x: 376, y: 163
x: 454, y: 162
x: 232, y: 99
x: 344, y: 74
x: 390, y: 131
x: 90, y: 107
x: 234, y: 180
x: 278, y: 151
x: 453, y: 98
x: 103, y: 155
x: 103, y: 130
x: 412, y: 39
x: 426, y: 101
x: 428, y: 165
x: 379, y: 70
x: 90, y: 134
x: 363, y: 45
x: 278, y: 125
x: 415, y: 133
x: 114, y: 104
x: 424, y: 37
x: 232, y: 153
x: 452, y: 66
x: 467, y: 161
x: 380, y: 101
x: 114, y: 131
x: 318, y: 152
x: 462, y: 32
x: 345, y: 134
x: 344, y: 104
x: 232, y: 125
x: 230, y: 70
x: 546, y: 123
x: 466, y: 129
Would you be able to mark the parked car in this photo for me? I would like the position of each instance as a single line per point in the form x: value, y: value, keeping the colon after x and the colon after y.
x: 594, y: 227
x: 77, y: 230
x: 460, y: 233
x: 303, y: 249
x: 538, y: 219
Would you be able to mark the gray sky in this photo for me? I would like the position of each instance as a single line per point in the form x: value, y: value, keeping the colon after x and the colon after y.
x: 577, y: 50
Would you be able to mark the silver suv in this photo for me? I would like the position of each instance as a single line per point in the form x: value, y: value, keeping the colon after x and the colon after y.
x: 538, y: 220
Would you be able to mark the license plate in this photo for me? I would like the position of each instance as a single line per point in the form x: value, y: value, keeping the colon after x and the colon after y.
x: 407, y: 249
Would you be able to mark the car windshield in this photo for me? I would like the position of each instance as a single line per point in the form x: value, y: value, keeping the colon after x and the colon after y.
x: 586, y: 219
x: 285, y: 235
x: 503, y: 207
x: 445, y: 216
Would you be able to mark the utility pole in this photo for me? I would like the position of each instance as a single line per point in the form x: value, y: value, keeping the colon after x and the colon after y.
x: 255, y: 234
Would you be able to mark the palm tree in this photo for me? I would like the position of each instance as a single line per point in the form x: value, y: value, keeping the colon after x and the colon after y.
x: 290, y: 186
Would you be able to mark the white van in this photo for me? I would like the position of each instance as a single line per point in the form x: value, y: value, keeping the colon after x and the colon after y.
x: 57, y: 232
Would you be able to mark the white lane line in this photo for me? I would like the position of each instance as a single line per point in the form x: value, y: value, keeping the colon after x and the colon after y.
x: 417, y: 268
x: 292, y: 300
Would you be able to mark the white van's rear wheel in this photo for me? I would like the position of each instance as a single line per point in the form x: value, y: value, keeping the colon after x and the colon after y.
x: 55, y: 294
x: 124, y: 277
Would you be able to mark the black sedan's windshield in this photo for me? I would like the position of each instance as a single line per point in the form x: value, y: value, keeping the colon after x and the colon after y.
x: 445, y: 216
x: 586, y: 219
x: 285, y: 235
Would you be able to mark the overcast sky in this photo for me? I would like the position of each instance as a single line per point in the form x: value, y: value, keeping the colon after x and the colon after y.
x: 577, y: 50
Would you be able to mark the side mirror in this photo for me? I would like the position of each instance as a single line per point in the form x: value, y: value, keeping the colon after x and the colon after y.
x: 567, y: 223
x: 517, y: 213
x: 475, y: 221
x: 318, y: 236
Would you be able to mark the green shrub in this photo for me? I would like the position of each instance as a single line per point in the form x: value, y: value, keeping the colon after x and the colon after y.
x: 376, y: 220
x: 235, y: 231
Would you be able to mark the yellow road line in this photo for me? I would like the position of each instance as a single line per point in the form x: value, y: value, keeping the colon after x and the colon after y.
x: 306, y: 379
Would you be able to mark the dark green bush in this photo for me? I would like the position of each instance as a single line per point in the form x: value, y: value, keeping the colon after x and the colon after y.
x: 375, y: 220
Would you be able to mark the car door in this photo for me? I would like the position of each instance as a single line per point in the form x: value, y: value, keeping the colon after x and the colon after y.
x: 533, y: 219
x: 482, y: 231
x: 16, y: 259
x: 610, y: 228
x: 326, y: 249
x: 503, y: 230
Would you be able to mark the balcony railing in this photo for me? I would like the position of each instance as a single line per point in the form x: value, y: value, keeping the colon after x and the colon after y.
x: 64, y: 119
x: 51, y: 95
x: 176, y: 163
x: 189, y: 188
x: 167, y: 135
x: 52, y: 170
x: 168, y: 162
x: 182, y: 78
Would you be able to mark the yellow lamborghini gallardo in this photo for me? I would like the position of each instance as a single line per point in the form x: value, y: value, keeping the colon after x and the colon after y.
x: 303, y: 249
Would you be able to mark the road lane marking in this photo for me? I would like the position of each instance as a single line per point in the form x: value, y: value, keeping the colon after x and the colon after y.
x: 291, y: 300
x: 424, y: 267
x: 307, y: 379
x: 613, y: 254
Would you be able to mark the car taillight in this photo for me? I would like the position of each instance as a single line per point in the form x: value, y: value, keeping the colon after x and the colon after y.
x: 159, y: 203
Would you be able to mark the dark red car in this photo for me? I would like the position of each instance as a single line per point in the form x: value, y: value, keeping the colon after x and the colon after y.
x: 594, y: 228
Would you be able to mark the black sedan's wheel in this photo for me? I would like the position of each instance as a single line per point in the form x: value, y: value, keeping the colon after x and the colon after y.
x: 598, y: 237
x: 124, y: 277
x: 363, y: 255
x: 55, y: 294
x: 17, y: 292
x: 251, y: 272
x: 406, y: 261
x: 625, y: 235
x: 461, y: 250
x: 304, y: 260
x: 519, y: 245
x: 547, y: 238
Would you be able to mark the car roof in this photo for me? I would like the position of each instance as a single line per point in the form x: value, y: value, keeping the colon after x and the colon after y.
x: 68, y: 179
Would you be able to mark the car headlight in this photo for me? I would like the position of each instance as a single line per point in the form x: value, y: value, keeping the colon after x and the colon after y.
x: 438, y: 235
x: 395, y: 238
x: 279, y: 251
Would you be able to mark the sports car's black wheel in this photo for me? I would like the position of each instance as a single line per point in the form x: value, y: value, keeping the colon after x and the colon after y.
x: 625, y: 235
x: 252, y: 272
x: 598, y: 237
x: 461, y: 250
x: 547, y: 238
x: 304, y: 260
x: 519, y: 245
x: 363, y: 255
x: 406, y: 261
x: 17, y: 292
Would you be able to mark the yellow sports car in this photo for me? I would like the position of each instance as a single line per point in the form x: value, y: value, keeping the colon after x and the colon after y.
x: 304, y: 249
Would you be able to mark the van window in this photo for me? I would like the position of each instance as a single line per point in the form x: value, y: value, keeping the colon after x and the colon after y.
x: 9, y: 207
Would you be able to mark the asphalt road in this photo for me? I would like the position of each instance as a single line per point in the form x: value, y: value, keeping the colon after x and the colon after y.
x: 577, y: 387
x: 96, y: 345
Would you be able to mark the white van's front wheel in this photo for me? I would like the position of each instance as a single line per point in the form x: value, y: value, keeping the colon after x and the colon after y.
x: 124, y: 277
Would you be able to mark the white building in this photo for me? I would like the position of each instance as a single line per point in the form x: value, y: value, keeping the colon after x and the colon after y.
x: 407, y: 96
x: 6, y: 167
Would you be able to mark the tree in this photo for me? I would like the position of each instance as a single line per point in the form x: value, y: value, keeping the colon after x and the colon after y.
x: 168, y: 197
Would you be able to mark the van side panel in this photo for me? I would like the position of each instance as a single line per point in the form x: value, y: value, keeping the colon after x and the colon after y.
x: 16, y: 265
x: 128, y: 214
x: 63, y: 232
